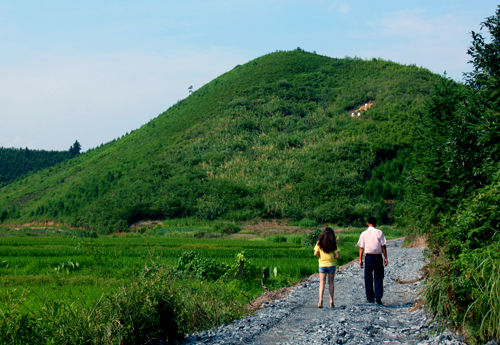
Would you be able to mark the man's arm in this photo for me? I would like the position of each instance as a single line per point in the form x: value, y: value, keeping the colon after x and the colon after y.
x: 384, y: 250
x: 361, y: 250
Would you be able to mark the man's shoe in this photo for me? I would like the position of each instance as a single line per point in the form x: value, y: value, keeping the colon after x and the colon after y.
x: 379, y: 301
x: 370, y: 301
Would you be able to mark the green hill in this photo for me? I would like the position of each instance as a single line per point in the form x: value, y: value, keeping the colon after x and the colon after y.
x: 15, y: 163
x: 272, y: 138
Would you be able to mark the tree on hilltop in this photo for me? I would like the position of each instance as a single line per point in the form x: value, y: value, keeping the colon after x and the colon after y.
x: 75, y: 149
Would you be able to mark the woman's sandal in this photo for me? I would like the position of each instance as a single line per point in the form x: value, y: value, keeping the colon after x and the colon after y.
x: 332, y: 305
x: 320, y: 305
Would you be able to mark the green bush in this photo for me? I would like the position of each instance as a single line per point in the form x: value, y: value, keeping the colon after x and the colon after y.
x: 67, y: 267
x: 155, y: 308
x: 277, y: 239
x: 466, y: 292
x: 312, y: 238
x: 226, y: 228
x: 454, y: 192
x: 243, y: 270
x: 203, y: 268
x: 18, y: 327
x: 296, y: 239
x: 144, y: 312
x: 85, y: 234
x: 308, y: 223
x: 464, y: 284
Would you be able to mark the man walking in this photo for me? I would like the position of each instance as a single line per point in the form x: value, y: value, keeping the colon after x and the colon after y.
x: 372, y: 244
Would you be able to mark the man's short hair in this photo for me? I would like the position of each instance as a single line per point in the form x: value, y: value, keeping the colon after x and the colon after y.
x: 372, y: 221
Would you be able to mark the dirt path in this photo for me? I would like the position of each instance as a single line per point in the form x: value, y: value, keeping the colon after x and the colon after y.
x: 295, y: 319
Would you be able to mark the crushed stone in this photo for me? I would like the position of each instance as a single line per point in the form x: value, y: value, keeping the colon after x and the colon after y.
x: 296, y: 320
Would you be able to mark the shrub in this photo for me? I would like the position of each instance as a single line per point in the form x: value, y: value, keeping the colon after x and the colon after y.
x: 200, y: 234
x: 224, y: 227
x: 297, y: 239
x: 245, y: 214
x: 338, y: 212
x: 210, y: 207
x: 203, y: 268
x: 312, y: 238
x: 156, y: 308
x: 463, y: 283
x: 277, y: 239
x: 466, y: 292
x: 67, y: 267
x: 85, y: 234
x: 242, y: 270
x: 308, y: 223
x: 16, y: 326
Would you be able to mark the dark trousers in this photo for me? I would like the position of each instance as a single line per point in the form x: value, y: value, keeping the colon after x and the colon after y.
x: 374, y: 275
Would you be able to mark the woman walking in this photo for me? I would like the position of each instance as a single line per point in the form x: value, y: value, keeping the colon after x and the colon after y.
x: 327, y: 252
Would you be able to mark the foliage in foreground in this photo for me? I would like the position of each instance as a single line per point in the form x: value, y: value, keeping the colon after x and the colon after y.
x: 158, y: 306
x: 464, y: 281
x: 457, y: 186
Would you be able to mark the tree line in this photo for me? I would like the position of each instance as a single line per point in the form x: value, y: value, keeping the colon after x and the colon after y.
x: 16, y: 162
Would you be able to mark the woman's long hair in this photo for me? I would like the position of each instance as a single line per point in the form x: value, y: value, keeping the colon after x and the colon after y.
x: 327, y: 241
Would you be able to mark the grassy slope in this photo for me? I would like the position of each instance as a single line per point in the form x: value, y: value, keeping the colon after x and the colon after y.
x: 271, y: 138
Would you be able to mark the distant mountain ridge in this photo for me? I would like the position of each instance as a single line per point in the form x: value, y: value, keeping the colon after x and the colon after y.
x: 274, y: 138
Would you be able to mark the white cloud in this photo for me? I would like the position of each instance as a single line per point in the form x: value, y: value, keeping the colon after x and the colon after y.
x: 403, y: 22
x: 336, y: 6
x: 344, y: 8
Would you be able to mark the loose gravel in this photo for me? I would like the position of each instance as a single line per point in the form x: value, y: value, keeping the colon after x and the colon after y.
x: 295, y: 319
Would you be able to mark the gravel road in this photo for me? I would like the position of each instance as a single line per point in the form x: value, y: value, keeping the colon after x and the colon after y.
x: 295, y: 319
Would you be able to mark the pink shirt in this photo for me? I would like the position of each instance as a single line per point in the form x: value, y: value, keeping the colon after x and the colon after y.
x: 372, y: 241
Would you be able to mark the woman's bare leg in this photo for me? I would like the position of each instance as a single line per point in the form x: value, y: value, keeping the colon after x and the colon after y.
x: 322, y: 280
x: 331, y: 288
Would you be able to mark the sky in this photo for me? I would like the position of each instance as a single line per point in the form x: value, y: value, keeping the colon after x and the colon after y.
x: 95, y: 70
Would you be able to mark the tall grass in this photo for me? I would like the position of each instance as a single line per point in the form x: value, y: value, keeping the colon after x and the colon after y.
x: 485, y: 309
x: 466, y: 293
x: 155, y: 307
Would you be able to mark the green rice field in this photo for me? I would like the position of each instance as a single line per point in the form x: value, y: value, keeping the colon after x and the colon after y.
x: 67, y: 266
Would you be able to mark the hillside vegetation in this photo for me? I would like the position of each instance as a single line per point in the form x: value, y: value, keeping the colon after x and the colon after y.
x: 15, y: 163
x: 272, y: 138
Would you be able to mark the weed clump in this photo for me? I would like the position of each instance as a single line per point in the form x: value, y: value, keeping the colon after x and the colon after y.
x: 157, y: 307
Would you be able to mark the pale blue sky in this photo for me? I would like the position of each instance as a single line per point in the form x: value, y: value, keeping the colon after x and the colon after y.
x: 94, y: 70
